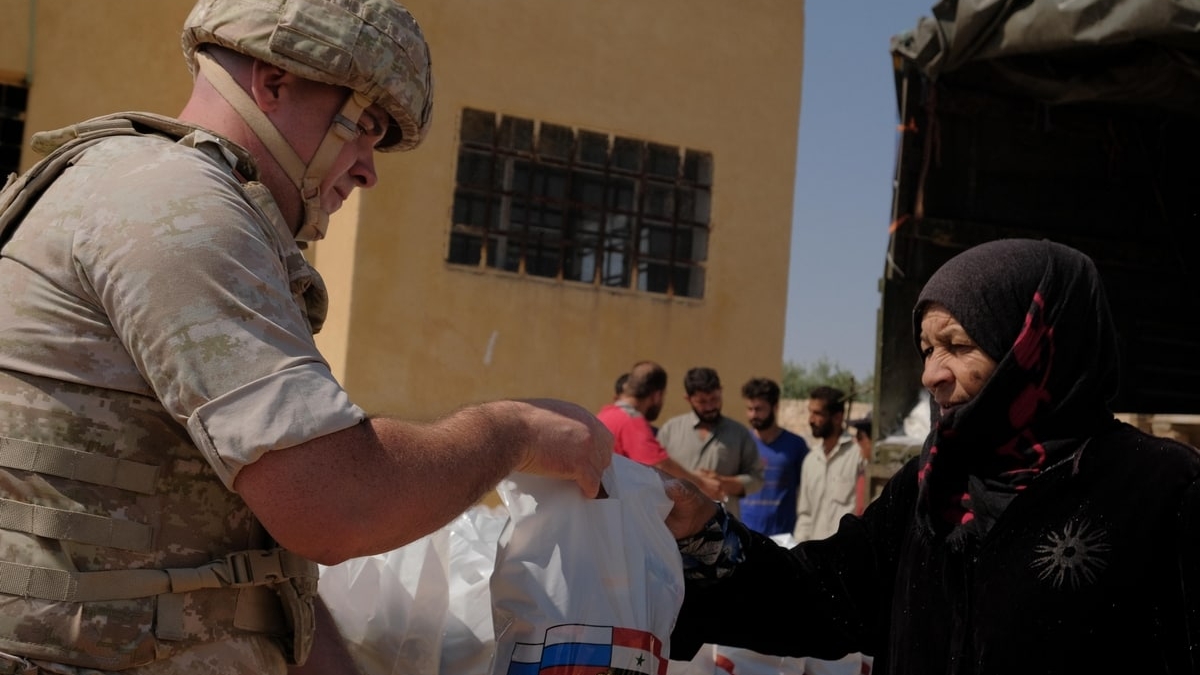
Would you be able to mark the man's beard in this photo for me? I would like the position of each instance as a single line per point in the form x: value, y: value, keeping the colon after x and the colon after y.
x: 764, y: 423
x: 711, y: 417
x: 652, y: 412
x: 822, y: 430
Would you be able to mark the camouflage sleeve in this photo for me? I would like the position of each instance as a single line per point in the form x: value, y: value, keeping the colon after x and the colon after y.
x: 200, y: 287
x: 286, y: 409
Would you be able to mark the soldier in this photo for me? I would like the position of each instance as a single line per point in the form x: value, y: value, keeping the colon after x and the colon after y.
x: 175, y: 454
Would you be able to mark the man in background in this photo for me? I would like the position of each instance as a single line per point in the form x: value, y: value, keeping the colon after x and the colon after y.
x: 832, y: 477
x: 629, y: 418
x: 710, y: 444
x: 772, y: 510
x: 830, y: 472
x: 862, y: 436
x: 619, y: 385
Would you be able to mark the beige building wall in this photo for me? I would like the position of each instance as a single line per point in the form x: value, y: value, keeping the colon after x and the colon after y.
x: 14, y: 40
x: 413, y: 335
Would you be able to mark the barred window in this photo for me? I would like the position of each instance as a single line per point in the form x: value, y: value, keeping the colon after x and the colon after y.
x: 548, y: 200
x: 13, y: 99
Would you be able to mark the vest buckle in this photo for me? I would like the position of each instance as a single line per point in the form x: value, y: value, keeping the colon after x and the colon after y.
x: 254, y: 568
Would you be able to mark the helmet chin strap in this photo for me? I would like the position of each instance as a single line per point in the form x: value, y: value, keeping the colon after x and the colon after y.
x: 306, y: 178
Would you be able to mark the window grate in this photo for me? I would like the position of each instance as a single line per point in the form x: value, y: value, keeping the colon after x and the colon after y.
x: 547, y: 200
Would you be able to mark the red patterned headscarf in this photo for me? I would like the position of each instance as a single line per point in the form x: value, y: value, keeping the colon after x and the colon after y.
x: 1039, y: 310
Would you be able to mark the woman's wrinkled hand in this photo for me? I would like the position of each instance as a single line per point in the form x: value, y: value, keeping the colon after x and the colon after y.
x: 692, y: 508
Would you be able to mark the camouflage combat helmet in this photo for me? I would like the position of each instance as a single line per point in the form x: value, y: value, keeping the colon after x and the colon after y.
x: 373, y: 47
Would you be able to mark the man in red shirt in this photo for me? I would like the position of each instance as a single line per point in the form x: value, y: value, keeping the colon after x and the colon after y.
x: 629, y: 418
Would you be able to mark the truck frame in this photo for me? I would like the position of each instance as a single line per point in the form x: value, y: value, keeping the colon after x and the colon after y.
x: 1074, y: 122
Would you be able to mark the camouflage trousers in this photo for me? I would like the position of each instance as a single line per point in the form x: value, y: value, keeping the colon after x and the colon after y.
x: 252, y: 655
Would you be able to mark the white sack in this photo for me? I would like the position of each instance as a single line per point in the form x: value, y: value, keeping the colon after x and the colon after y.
x: 586, y: 582
x: 424, y: 608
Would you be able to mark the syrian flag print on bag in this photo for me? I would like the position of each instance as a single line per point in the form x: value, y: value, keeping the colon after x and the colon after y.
x: 577, y: 649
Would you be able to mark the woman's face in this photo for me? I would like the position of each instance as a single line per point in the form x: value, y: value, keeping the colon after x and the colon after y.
x: 955, y: 367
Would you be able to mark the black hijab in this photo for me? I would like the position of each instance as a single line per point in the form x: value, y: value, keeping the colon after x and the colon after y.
x: 1039, y: 310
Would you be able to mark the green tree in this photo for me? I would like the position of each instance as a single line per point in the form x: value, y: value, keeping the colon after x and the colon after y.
x: 799, y: 379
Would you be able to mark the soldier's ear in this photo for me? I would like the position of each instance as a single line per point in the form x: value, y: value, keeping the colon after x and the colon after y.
x: 267, y: 84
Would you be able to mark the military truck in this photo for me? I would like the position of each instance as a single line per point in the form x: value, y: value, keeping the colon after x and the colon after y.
x: 1075, y: 122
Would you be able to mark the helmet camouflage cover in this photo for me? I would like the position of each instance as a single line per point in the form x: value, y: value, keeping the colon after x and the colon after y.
x: 374, y: 47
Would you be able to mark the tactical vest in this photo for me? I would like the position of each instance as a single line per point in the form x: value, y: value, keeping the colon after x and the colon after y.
x: 121, y: 546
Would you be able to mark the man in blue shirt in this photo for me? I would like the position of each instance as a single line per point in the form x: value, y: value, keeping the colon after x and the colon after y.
x: 772, y: 510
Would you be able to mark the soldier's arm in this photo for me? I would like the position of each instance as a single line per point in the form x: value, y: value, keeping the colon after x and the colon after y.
x: 386, y: 482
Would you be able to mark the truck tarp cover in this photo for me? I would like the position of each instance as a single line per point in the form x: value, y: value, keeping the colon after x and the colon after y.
x: 1071, y: 120
x: 1061, y: 51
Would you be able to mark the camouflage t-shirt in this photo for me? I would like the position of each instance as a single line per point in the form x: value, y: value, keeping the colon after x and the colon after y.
x: 145, y: 268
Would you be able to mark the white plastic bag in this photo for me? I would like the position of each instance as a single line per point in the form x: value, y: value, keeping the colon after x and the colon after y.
x: 721, y: 660
x: 424, y: 608
x: 593, y: 584
x: 391, y: 607
x: 469, y: 640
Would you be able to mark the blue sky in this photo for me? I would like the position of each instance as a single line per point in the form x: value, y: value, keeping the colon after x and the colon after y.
x: 844, y: 166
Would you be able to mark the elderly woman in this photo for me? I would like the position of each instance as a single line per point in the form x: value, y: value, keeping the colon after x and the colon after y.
x: 1034, y: 534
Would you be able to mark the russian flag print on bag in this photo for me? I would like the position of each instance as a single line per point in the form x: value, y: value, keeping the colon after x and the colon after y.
x: 576, y: 649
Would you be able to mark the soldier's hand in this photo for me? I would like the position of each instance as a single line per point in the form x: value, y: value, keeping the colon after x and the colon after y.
x: 565, y: 441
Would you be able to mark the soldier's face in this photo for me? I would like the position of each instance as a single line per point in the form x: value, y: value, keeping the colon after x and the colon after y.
x: 355, y: 164
x: 305, y: 120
